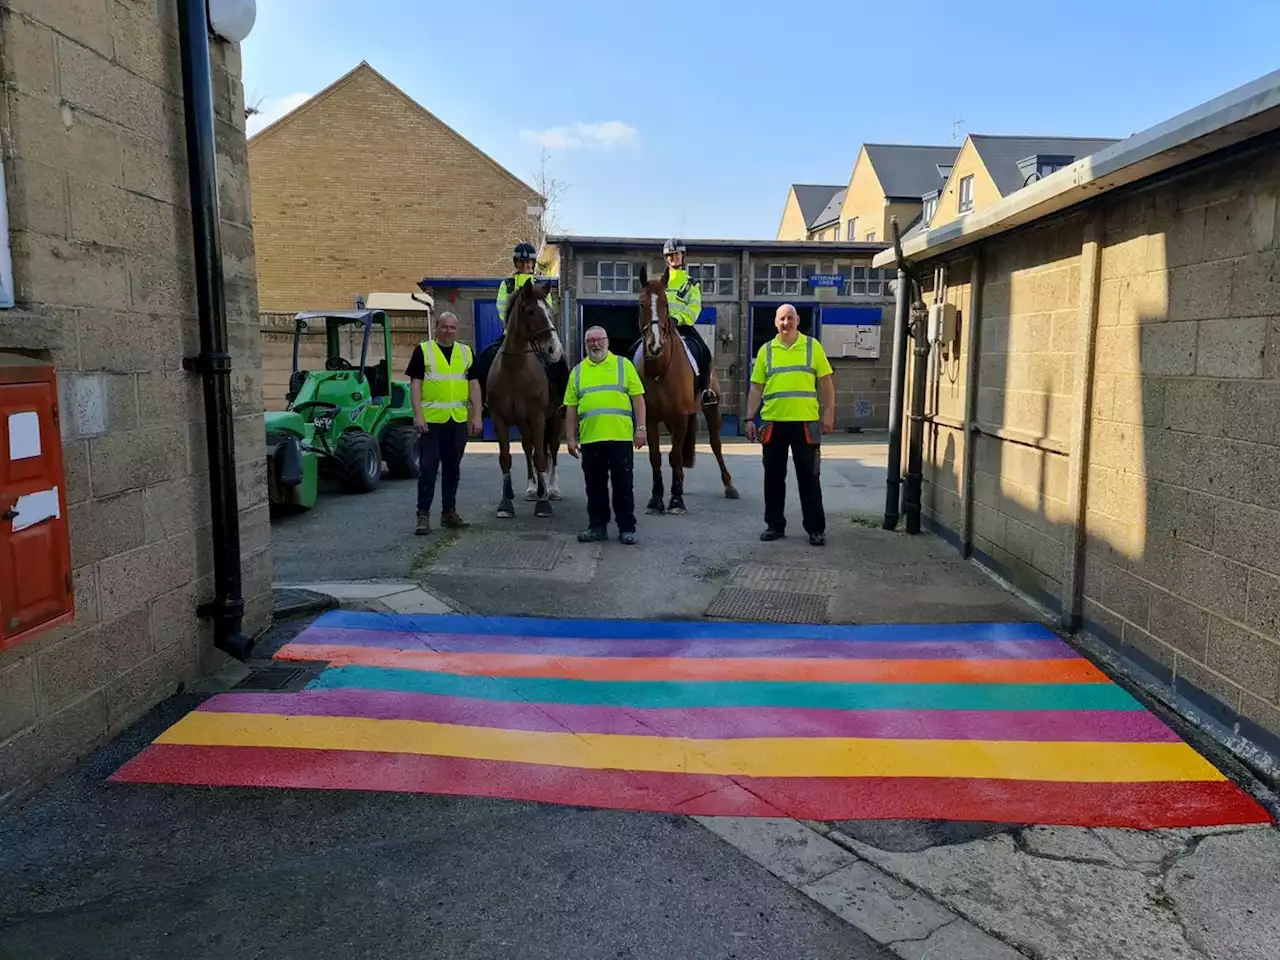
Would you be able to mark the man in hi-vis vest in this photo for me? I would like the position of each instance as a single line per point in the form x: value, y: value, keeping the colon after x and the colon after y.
x: 791, y: 373
x: 605, y: 396
x: 446, y: 406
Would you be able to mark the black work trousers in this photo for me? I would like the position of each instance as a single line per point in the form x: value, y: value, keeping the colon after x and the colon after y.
x: 605, y: 464
x: 441, y: 449
x: 803, y: 442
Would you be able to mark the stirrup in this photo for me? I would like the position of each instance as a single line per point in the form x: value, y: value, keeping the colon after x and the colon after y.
x: 714, y: 400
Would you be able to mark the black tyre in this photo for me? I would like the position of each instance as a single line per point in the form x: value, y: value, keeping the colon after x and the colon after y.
x: 400, y: 450
x: 360, y: 462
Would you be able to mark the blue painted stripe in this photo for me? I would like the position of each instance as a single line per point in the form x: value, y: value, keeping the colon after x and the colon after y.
x: 651, y: 694
x: 681, y: 629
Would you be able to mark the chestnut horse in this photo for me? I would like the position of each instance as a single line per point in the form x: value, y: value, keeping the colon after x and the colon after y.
x: 520, y: 393
x: 669, y: 399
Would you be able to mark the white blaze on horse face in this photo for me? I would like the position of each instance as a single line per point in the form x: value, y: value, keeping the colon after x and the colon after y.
x: 654, y: 325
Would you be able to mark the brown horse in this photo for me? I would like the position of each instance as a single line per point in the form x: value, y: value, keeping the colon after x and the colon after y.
x: 669, y: 399
x: 521, y: 394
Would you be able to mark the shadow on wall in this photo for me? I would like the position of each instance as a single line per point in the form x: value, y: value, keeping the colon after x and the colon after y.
x: 1174, y: 433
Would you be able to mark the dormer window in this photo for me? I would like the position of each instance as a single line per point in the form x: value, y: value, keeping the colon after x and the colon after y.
x: 1039, y: 166
x: 930, y: 205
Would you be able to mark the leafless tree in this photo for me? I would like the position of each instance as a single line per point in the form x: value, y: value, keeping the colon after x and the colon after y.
x: 535, y: 227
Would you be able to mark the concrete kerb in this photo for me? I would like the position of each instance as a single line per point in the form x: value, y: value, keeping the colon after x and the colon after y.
x: 376, y: 596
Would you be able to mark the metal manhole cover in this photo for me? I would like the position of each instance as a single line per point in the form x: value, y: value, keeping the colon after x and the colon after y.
x: 776, y: 606
x: 270, y: 678
x: 514, y: 554
x: 786, y: 580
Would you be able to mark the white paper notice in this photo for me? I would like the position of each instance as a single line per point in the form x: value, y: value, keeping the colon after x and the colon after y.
x: 35, y: 508
x: 24, y: 435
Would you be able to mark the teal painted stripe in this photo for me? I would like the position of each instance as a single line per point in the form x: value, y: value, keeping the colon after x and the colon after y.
x: 659, y: 694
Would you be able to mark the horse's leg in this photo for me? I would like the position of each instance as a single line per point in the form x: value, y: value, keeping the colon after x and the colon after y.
x: 714, y: 423
x: 553, y: 446
x: 531, y: 488
x: 679, y: 430
x: 540, y: 461
x: 652, y: 425
x: 507, y: 508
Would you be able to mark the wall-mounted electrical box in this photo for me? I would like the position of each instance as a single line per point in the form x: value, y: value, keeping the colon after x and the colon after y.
x: 942, y: 323
x: 35, y: 550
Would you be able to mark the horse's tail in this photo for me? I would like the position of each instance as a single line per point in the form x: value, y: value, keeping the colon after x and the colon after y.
x: 690, y: 447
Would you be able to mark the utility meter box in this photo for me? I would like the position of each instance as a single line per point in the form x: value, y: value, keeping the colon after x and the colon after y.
x: 35, y: 550
x: 942, y: 323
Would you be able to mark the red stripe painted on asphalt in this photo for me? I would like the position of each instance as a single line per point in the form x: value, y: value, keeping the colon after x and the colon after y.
x: 710, y: 723
x: 1135, y: 805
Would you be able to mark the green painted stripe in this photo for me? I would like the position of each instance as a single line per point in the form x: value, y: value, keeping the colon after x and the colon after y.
x: 655, y: 694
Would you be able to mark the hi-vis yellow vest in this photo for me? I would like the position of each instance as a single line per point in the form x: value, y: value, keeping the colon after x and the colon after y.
x: 684, y: 298
x: 604, y: 404
x: 790, y: 385
x: 444, y: 388
x: 507, y: 289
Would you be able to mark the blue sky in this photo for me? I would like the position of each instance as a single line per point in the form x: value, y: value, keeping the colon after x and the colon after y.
x: 694, y: 118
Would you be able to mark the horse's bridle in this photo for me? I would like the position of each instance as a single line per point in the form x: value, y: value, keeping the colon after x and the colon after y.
x: 656, y: 318
x: 533, y: 339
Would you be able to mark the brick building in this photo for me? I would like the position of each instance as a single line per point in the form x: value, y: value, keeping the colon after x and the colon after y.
x: 840, y: 297
x: 1102, y: 431
x: 100, y: 237
x: 362, y: 189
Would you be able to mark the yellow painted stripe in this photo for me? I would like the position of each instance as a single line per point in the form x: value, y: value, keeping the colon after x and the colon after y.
x: 758, y: 757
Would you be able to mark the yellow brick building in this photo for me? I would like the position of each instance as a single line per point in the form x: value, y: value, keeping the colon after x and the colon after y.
x: 361, y: 189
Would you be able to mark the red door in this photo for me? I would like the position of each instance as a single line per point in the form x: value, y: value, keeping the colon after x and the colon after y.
x: 35, y: 551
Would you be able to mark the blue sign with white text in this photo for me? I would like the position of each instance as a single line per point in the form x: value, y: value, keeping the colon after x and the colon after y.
x: 826, y: 280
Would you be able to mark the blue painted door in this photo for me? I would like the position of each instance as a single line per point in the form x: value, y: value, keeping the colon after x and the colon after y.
x: 488, y: 326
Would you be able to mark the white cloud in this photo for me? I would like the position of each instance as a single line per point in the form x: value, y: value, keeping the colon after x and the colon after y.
x: 272, y: 110
x: 607, y: 135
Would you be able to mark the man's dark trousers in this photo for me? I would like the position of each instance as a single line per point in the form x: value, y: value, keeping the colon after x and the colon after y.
x: 785, y: 437
x: 441, y: 449
x: 605, y: 464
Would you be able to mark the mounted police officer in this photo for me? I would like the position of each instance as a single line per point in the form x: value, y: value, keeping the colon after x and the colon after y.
x: 790, y: 374
x: 524, y: 259
x: 684, y: 303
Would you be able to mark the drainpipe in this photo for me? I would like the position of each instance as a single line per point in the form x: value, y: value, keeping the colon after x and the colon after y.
x: 973, y: 355
x: 915, y: 441
x: 893, y: 476
x: 214, y: 362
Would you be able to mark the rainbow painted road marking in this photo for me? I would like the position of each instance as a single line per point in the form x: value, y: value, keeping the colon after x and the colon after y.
x: 998, y: 722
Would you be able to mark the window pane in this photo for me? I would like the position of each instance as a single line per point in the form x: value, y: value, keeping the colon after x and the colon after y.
x: 590, y: 285
x: 859, y: 288
x: 859, y: 273
x: 622, y: 269
x: 808, y: 270
x: 728, y: 270
x: 760, y: 271
x: 591, y: 268
x: 875, y: 288
x: 761, y: 288
x: 844, y: 270
x: 606, y: 284
x: 793, y: 286
x: 775, y: 271
x: 793, y: 271
x: 726, y: 288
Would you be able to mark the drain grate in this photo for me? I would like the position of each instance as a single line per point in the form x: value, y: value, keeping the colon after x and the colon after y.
x: 785, y: 579
x: 773, y: 606
x: 271, y: 678
x: 513, y: 554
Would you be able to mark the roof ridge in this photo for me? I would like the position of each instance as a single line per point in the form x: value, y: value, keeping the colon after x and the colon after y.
x: 1031, y: 136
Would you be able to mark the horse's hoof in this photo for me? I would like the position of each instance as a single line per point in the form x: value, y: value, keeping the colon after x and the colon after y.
x: 506, y: 510
x: 731, y: 493
x: 531, y: 495
x: 555, y: 494
x: 543, y: 509
x: 655, y: 511
x: 676, y: 507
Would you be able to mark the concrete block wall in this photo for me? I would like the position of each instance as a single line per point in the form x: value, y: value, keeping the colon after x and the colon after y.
x: 1177, y: 508
x: 95, y: 170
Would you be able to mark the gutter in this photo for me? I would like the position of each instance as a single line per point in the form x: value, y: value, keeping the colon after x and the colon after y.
x: 214, y: 361
x: 1239, y: 115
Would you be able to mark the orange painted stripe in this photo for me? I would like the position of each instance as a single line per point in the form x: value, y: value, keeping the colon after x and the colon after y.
x: 1075, y: 670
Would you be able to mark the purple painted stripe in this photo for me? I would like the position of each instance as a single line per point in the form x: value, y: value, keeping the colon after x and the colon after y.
x: 584, y: 647
x: 710, y: 723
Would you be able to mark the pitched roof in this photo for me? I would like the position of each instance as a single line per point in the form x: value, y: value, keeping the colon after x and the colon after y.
x: 909, y: 171
x: 831, y: 212
x: 363, y: 68
x: 1000, y: 155
x: 813, y: 199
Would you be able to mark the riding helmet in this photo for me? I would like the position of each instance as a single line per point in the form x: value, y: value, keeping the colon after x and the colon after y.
x: 524, y: 251
x: 672, y: 246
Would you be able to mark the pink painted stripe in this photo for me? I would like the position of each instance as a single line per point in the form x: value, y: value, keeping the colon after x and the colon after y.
x: 1042, y: 649
x: 709, y: 723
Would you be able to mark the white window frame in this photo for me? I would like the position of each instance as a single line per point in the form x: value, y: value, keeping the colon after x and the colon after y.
x: 851, y: 228
x: 780, y: 279
x: 718, y: 279
x: 591, y: 282
x: 867, y: 281
x: 930, y: 208
x: 965, y: 200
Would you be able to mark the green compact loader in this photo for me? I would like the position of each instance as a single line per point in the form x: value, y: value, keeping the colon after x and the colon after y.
x: 341, y: 422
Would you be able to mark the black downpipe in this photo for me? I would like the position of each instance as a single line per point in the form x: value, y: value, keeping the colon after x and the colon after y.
x: 897, y: 380
x: 915, y: 442
x: 214, y: 362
